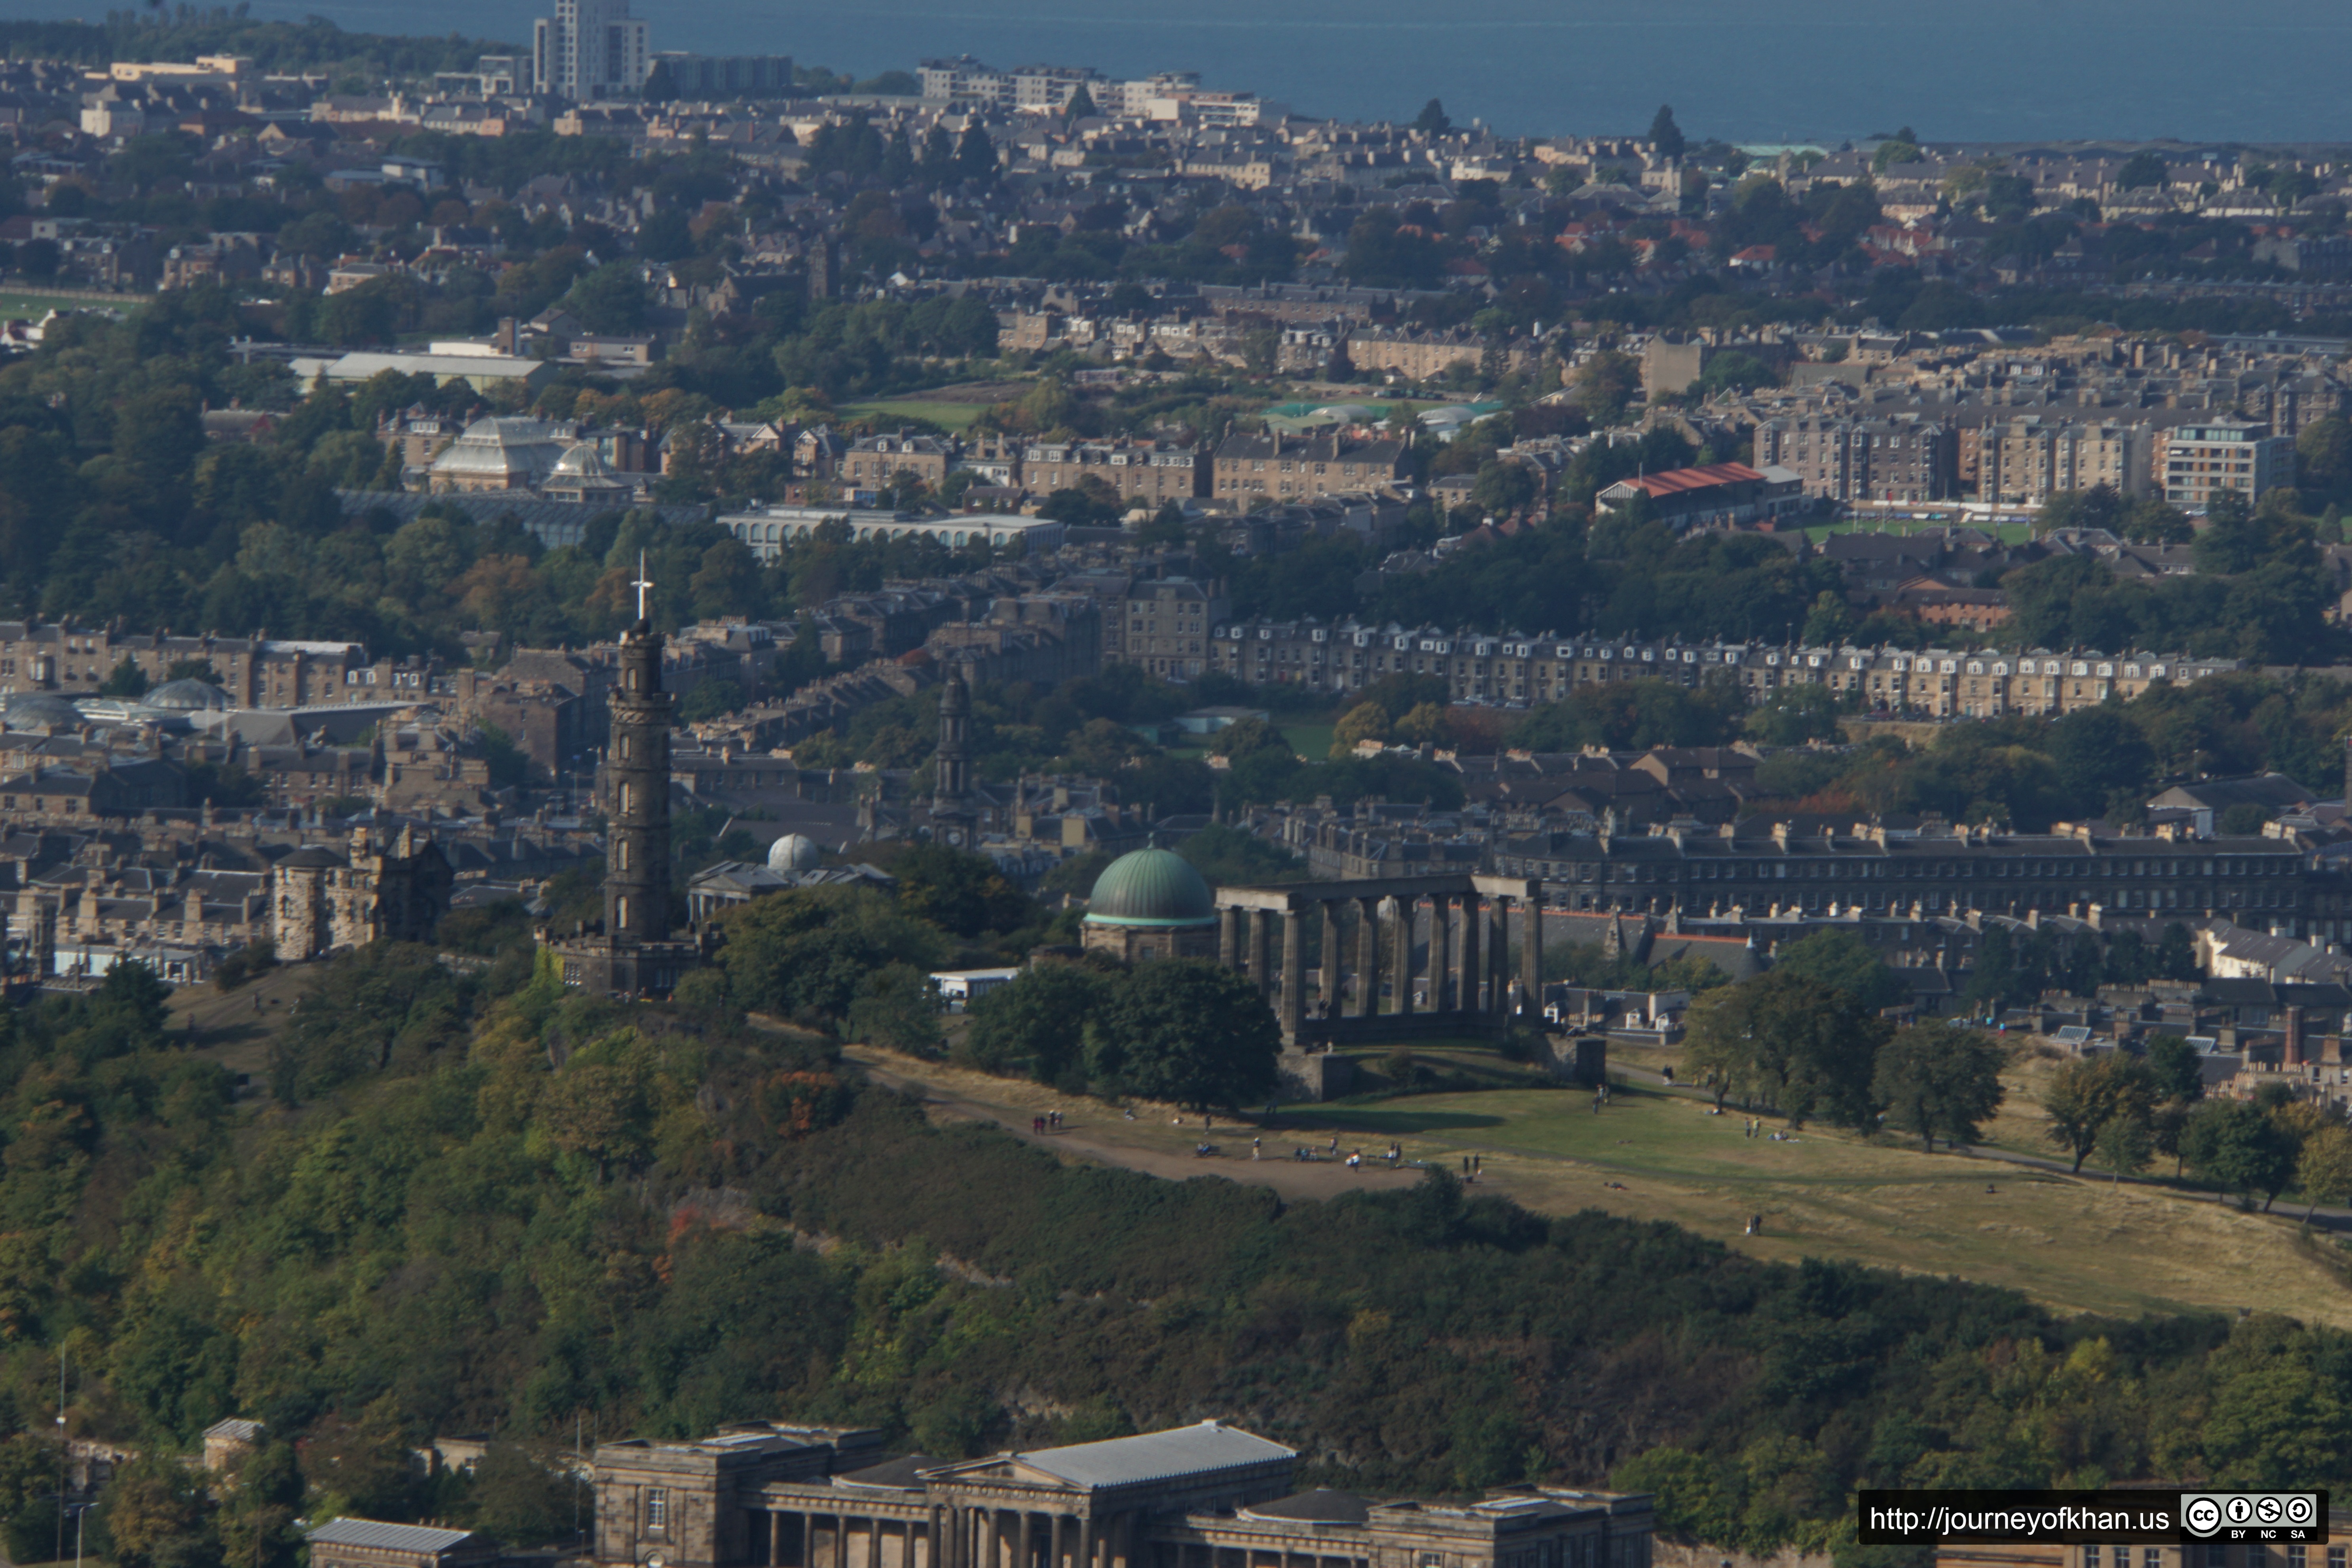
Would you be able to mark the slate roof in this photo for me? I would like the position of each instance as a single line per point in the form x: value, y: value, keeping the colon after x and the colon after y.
x: 1155, y: 1455
x: 419, y: 1538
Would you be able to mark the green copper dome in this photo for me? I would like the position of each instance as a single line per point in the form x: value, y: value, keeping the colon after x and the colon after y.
x: 1151, y: 887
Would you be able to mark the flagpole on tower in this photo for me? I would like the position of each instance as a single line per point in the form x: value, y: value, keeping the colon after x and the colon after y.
x: 641, y: 585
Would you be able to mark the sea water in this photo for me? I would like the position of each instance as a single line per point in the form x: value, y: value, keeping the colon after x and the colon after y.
x: 1811, y: 72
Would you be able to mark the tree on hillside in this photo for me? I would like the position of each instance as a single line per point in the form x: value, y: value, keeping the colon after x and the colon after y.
x: 1433, y: 119
x: 1795, y: 1044
x: 2125, y: 1144
x: 2172, y: 1068
x: 2241, y: 1147
x: 2086, y: 1094
x: 897, y: 1009
x: 1605, y: 384
x: 1939, y: 1078
x: 1248, y: 737
x: 1423, y: 724
x: 805, y: 952
x: 959, y: 891
x: 1185, y: 1030
x: 521, y: 1495
x: 2323, y: 1169
x: 975, y: 160
x: 2176, y: 954
x: 1040, y: 1018
x: 1364, y: 721
x: 256, y: 1521
x: 157, y: 1515
x: 1844, y: 960
x: 1665, y: 134
x: 126, y: 679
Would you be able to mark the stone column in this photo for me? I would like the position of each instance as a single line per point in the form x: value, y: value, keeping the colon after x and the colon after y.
x: 1085, y: 1543
x: 1294, y: 974
x: 1333, y: 970
x: 1229, y: 937
x: 1441, y: 956
x: 1261, y: 937
x: 775, y: 1538
x: 808, y: 1540
x: 1027, y: 1547
x: 1499, y: 959
x: 840, y: 1541
x: 1401, y: 970
x: 1368, y: 958
x: 1473, y: 915
x: 1055, y: 1545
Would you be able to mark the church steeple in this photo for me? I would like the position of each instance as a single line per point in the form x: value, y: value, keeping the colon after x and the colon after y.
x: 952, y: 770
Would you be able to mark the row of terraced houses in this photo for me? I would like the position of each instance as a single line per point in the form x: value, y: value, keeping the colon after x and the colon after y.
x: 1515, y: 669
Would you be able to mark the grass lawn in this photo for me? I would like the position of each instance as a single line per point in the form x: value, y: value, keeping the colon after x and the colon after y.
x: 236, y: 1028
x: 1312, y: 741
x: 32, y: 307
x: 2078, y: 1245
x: 947, y: 416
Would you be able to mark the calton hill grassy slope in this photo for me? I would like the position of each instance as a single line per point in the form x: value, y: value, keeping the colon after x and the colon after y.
x: 2076, y: 1244
x: 469, y: 1202
x: 474, y: 1202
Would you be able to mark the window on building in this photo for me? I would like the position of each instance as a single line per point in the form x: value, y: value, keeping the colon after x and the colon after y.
x: 657, y: 1497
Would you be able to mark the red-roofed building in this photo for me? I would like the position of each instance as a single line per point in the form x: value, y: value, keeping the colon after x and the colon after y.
x: 1720, y: 495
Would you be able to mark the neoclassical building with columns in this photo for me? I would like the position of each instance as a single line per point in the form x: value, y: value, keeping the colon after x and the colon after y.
x: 1205, y: 1496
x: 1442, y: 970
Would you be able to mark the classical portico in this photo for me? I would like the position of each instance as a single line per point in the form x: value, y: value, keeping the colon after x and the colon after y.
x: 1205, y: 1496
x: 1367, y: 989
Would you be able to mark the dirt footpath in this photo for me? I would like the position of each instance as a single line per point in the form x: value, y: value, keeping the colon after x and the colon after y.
x: 1095, y: 1135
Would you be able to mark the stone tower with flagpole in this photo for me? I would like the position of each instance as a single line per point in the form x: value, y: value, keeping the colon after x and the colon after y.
x: 636, y: 771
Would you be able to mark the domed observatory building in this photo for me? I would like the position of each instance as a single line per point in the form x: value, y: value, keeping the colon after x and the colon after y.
x: 1150, y: 904
x: 794, y: 853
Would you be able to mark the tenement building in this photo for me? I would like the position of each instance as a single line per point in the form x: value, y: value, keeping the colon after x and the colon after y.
x: 1207, y: 1496
x: 1289, y: 467
x: 1901, y: 458
x: 1937, y: 869
x: 1146, y: 472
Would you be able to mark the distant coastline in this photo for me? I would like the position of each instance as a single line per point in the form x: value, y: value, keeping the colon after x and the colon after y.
x: 1819, y: 71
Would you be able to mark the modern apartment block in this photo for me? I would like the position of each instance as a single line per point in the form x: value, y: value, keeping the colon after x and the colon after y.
x: 2199, y: 460
x: 965, y: 80
x: 1167, y: 95
x: 727, y: 76
x: 589, y: 48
